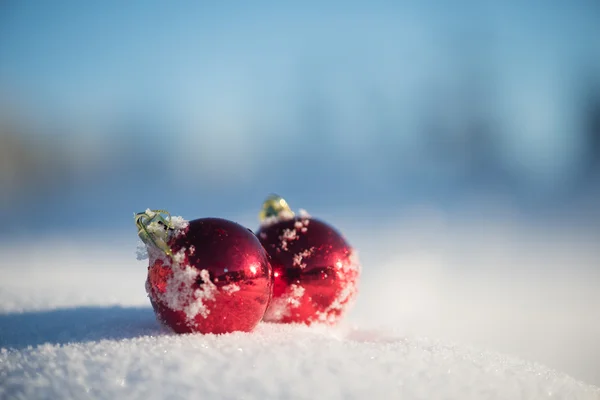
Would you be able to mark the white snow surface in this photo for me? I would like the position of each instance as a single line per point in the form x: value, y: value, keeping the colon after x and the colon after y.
x: 274, y: 362
x: 434, y: 319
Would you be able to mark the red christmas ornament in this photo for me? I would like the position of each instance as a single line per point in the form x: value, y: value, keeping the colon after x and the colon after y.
x: 315, y: 270
x: 208, y: 275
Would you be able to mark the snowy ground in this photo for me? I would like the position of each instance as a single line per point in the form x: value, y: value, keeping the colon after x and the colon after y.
x: 75, y: 323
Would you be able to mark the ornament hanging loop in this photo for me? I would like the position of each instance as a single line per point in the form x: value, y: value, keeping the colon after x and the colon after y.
x: 154, y: 228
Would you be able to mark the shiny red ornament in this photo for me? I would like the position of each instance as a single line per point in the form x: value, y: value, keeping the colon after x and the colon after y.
x: 315, y: 270
x: 208, y: 275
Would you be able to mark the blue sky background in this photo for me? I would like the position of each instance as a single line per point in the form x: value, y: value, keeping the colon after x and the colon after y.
x: 347, y: 108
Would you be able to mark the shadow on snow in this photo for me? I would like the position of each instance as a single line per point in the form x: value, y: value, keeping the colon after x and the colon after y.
x: 81, y: 324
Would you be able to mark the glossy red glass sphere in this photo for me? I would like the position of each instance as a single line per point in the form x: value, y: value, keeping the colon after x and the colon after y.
x: 315, y: 271
x: 217, y: 280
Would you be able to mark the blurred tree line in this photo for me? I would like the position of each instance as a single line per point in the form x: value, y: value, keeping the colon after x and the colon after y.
x: 32, y: 161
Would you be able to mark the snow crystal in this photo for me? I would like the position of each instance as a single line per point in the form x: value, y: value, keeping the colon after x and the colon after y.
x: 287, y: 235
x: 282, y: 306
x: 231, y: 288
x: 296, y: 293
x: 179, y: 257
x: 347, y: 296
x: 181, y: 295
x: 207, y: 291
x: 179, y: 286
x: 181, y: 292
x: 302, y: 224
x: 155, y: 227
x: 141, y: 251
x: 298, y: 260
x: 284, y: 215
x: 303, y: 213
x: 179, y: 223
x: 305, y: 222
x: 354, y: 262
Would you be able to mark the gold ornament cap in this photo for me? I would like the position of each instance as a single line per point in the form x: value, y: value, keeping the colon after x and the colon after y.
x: 154, y: 228
x: 275, y: 206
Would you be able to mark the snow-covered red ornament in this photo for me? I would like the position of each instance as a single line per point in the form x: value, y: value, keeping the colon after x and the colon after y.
x: 315, y: 270
x: 208, y: 275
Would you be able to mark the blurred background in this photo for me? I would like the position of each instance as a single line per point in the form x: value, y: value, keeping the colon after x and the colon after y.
x: 457, y: 145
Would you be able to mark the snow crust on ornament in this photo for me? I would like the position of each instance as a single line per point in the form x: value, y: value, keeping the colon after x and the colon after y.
x: 180, y: 292
x: 346, y: 298
x: 284, y: 216
x: 283, y: 306
x: 300, y: 257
